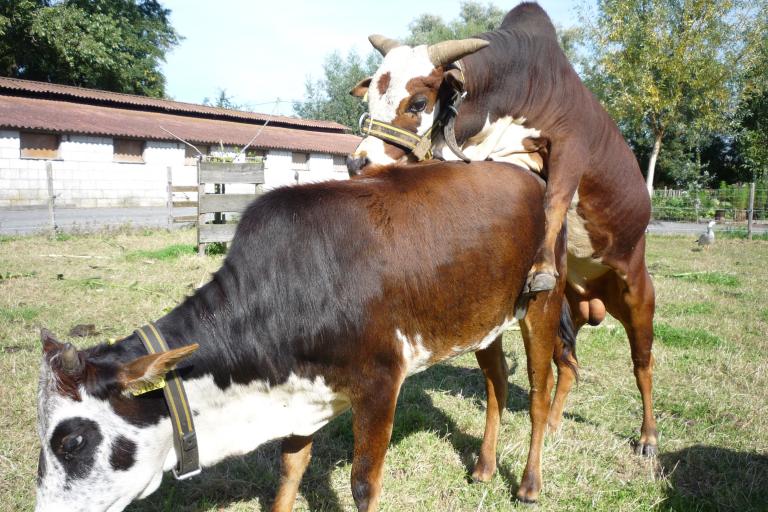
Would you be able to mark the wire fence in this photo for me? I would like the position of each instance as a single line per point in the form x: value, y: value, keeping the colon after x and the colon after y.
x: 727, y: 204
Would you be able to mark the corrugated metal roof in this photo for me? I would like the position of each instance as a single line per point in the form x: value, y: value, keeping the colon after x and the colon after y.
x: 81, y: 95
x: 70, y: 117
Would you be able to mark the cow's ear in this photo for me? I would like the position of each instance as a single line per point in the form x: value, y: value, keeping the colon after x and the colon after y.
x: 361, y: 89
x: 50, y: 343
x: 147, y: 372
x: 454, y: 78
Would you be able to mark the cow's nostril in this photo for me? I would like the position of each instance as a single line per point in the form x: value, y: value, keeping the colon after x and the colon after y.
x: 355, y: 164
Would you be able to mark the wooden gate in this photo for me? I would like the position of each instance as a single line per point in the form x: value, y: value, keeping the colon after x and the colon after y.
x: 222, y: 174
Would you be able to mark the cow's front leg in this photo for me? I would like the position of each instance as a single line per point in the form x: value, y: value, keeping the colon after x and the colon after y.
x: 373, y: 412
x: 297, y: 451
x: 539, y: 330
x: 494, y: 366
x: 566, y: 167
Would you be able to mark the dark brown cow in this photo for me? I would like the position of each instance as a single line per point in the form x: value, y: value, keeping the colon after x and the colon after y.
x: 522, y: 98
x: 330, y: 296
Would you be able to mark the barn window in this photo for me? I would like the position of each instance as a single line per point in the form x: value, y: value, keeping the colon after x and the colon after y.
x: 300, y: 161
x: 339, y: 163
x: 127, y: 150
x: 39, y: 145
x: 190, y: 155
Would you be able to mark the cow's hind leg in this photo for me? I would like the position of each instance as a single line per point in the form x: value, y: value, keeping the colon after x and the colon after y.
x: 494, y: 366
x: 632, y: 303
x: 296, y: 452
x: 373, y: 412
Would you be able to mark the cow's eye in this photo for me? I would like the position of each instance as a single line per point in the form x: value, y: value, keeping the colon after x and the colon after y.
x: 72, y: 443
x: 418, y: 105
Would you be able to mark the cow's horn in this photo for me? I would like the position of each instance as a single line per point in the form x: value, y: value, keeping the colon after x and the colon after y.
x: 383, y: 43
x: 70, y: 361
x: 451, y: 51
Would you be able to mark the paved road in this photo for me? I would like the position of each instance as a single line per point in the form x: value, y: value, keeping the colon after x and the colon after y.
x: 27, y: 221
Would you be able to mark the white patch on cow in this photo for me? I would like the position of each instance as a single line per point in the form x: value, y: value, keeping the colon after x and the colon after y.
x: 403, y: 64
x: 501, y: 141
x: 486, y: 340
x: 242, y: 417
x: 415, y: 355
x: 373, y: 148
x: 103, y: 488
x: 582, y: 266
x: 228, y: 422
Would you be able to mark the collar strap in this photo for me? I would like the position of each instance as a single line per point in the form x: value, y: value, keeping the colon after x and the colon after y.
x: 184, y: 436
x: 420, y: 146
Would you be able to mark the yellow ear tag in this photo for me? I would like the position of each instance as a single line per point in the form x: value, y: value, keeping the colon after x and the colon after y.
x: 149, y: 386
x: 365, y: 96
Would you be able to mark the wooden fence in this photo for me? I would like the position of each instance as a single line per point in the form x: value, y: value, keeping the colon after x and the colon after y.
x: 218, y: 174
x: 221, y: 174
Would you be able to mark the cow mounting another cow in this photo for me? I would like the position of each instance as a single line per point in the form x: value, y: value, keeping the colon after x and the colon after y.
x: 511, y: 95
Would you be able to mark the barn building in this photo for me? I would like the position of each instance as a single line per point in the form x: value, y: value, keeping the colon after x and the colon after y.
x: 106, y: 149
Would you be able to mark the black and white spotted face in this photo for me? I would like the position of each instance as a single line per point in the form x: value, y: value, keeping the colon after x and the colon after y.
x: 91, y: 458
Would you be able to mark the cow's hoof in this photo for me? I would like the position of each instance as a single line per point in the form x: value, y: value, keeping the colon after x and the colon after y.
x: 646, y: 450
x: 527, y: 498
x: 483, y: 472
x: 541, y: 282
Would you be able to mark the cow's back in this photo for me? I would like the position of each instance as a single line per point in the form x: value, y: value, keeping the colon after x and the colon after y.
x: 439, y: 248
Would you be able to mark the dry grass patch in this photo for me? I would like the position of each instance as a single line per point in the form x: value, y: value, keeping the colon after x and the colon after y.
x: 711, y: 378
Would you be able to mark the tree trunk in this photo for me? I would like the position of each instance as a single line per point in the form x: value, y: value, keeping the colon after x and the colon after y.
x: 652, y: 163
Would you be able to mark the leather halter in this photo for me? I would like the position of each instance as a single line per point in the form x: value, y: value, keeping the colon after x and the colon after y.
x: 419, y: 146
x: 184, y: 436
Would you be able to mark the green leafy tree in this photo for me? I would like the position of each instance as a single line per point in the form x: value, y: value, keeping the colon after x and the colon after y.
x: 752, y: 139
x: 667, y: 69
x: 116, y: 45
x: 329, y: 98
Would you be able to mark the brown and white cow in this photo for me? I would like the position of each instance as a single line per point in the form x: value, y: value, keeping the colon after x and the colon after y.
x: 330, y: 296
x: 522, y: 99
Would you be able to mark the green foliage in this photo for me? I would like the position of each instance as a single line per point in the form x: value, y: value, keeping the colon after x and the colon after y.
x: 166, y: 253
x: 329, y: 98
x: 668, y: 70
x: 690, y: 309
x: 716, y: 278
x: 23, y: 314
x: 115, y: 45
x: 685, y: 338
x: 223, y: 100
x: 474, y: 18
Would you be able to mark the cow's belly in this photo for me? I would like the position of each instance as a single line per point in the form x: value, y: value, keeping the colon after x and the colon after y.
x: 419, y: 354
x: 582, y: 265
x: 502, y: 141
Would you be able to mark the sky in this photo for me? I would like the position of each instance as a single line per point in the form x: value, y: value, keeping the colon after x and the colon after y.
x: 259, y: 51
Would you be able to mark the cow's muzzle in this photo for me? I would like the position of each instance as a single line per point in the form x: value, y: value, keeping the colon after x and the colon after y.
x: 355, y: 164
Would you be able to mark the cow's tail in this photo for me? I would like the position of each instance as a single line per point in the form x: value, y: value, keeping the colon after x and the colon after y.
x: 567, y: 333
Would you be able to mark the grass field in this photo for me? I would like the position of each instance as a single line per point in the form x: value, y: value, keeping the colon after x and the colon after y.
x: 711, y: 390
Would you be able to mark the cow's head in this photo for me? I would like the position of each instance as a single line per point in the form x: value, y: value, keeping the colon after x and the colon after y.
x: 101, y: 448
x: 405, y: 91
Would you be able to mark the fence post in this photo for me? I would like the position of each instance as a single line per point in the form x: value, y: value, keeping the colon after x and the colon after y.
x: 169, y: 203
x: 751, y: 210
x: 200, y: 216
x: 51, y: 198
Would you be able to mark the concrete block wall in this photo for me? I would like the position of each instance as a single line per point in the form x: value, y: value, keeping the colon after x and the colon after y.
x: 85, y: 174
